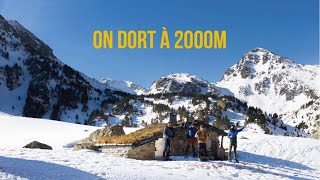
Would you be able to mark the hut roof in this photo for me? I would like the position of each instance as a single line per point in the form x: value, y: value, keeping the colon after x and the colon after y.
x: 153, y: 131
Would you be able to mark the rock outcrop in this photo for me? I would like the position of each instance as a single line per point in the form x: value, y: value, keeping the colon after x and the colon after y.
x: 89, y: 142
x: 316, y: 135
x: 105, y: 132
x: 37, y: 145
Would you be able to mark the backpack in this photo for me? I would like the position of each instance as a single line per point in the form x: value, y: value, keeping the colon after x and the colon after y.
x: 191, y: 132
x: 202, y: 136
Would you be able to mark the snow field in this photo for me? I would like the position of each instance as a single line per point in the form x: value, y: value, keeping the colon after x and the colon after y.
x: 261, y: 156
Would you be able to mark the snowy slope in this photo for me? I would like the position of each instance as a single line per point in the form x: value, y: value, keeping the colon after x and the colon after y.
x: 181, y: 82
x: 308, y: 115
x: 17, y: 132
x: 32, y: 78
x: 272, y: 82
x: 261, y: 157
x: 124, y: 86
x: 35, y: 83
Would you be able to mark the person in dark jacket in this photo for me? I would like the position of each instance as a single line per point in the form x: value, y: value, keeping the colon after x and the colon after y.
x: 168, y: 134
x: 187, y: 124
x: 232, y: 134
x: 191, y: 139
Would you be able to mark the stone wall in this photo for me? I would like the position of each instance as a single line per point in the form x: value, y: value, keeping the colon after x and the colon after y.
x: 179, y: 145
x: 143, y: 152
x: 212, y: 145
x: 221, y: 154
x: 116, y: 150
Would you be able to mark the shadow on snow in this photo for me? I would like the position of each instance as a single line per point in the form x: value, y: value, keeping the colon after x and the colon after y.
x: 261, y: 164
x: 33, y: 169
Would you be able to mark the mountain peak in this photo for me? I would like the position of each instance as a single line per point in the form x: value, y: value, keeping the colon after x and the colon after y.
x: 259, y: 49
x: 183, y: 77
x: 263, y: 56
x: 181, y: 82
x: 259, y: 52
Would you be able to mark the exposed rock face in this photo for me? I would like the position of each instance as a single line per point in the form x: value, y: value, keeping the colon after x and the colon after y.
x: 37, y: 145
x: 105, y: 132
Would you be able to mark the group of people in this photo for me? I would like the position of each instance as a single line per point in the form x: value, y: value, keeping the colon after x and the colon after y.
x: 194, y: 136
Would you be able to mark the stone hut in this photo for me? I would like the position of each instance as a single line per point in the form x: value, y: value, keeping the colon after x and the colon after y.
x: 147, y: 143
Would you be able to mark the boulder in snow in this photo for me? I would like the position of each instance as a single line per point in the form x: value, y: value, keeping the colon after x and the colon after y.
x: 37, y: 145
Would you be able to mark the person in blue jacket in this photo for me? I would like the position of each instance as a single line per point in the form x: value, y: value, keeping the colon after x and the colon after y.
x: 190, y: 139
x: 232, y: 134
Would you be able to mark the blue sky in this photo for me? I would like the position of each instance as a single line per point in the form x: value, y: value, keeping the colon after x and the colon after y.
x: 287, y: 27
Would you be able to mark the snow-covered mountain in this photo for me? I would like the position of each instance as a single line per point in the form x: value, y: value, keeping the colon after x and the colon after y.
x: 272, y: 82
x: 124, y: 86
x: 181, y: 82
x: 35, y: 83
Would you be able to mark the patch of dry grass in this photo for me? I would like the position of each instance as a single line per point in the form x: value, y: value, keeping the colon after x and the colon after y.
x: 134, y: 137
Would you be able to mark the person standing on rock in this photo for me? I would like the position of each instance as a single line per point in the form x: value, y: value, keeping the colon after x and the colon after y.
x: 168, y: 134
x: 232, y: 134
x: 202, y: 136
x: 191, y: 139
